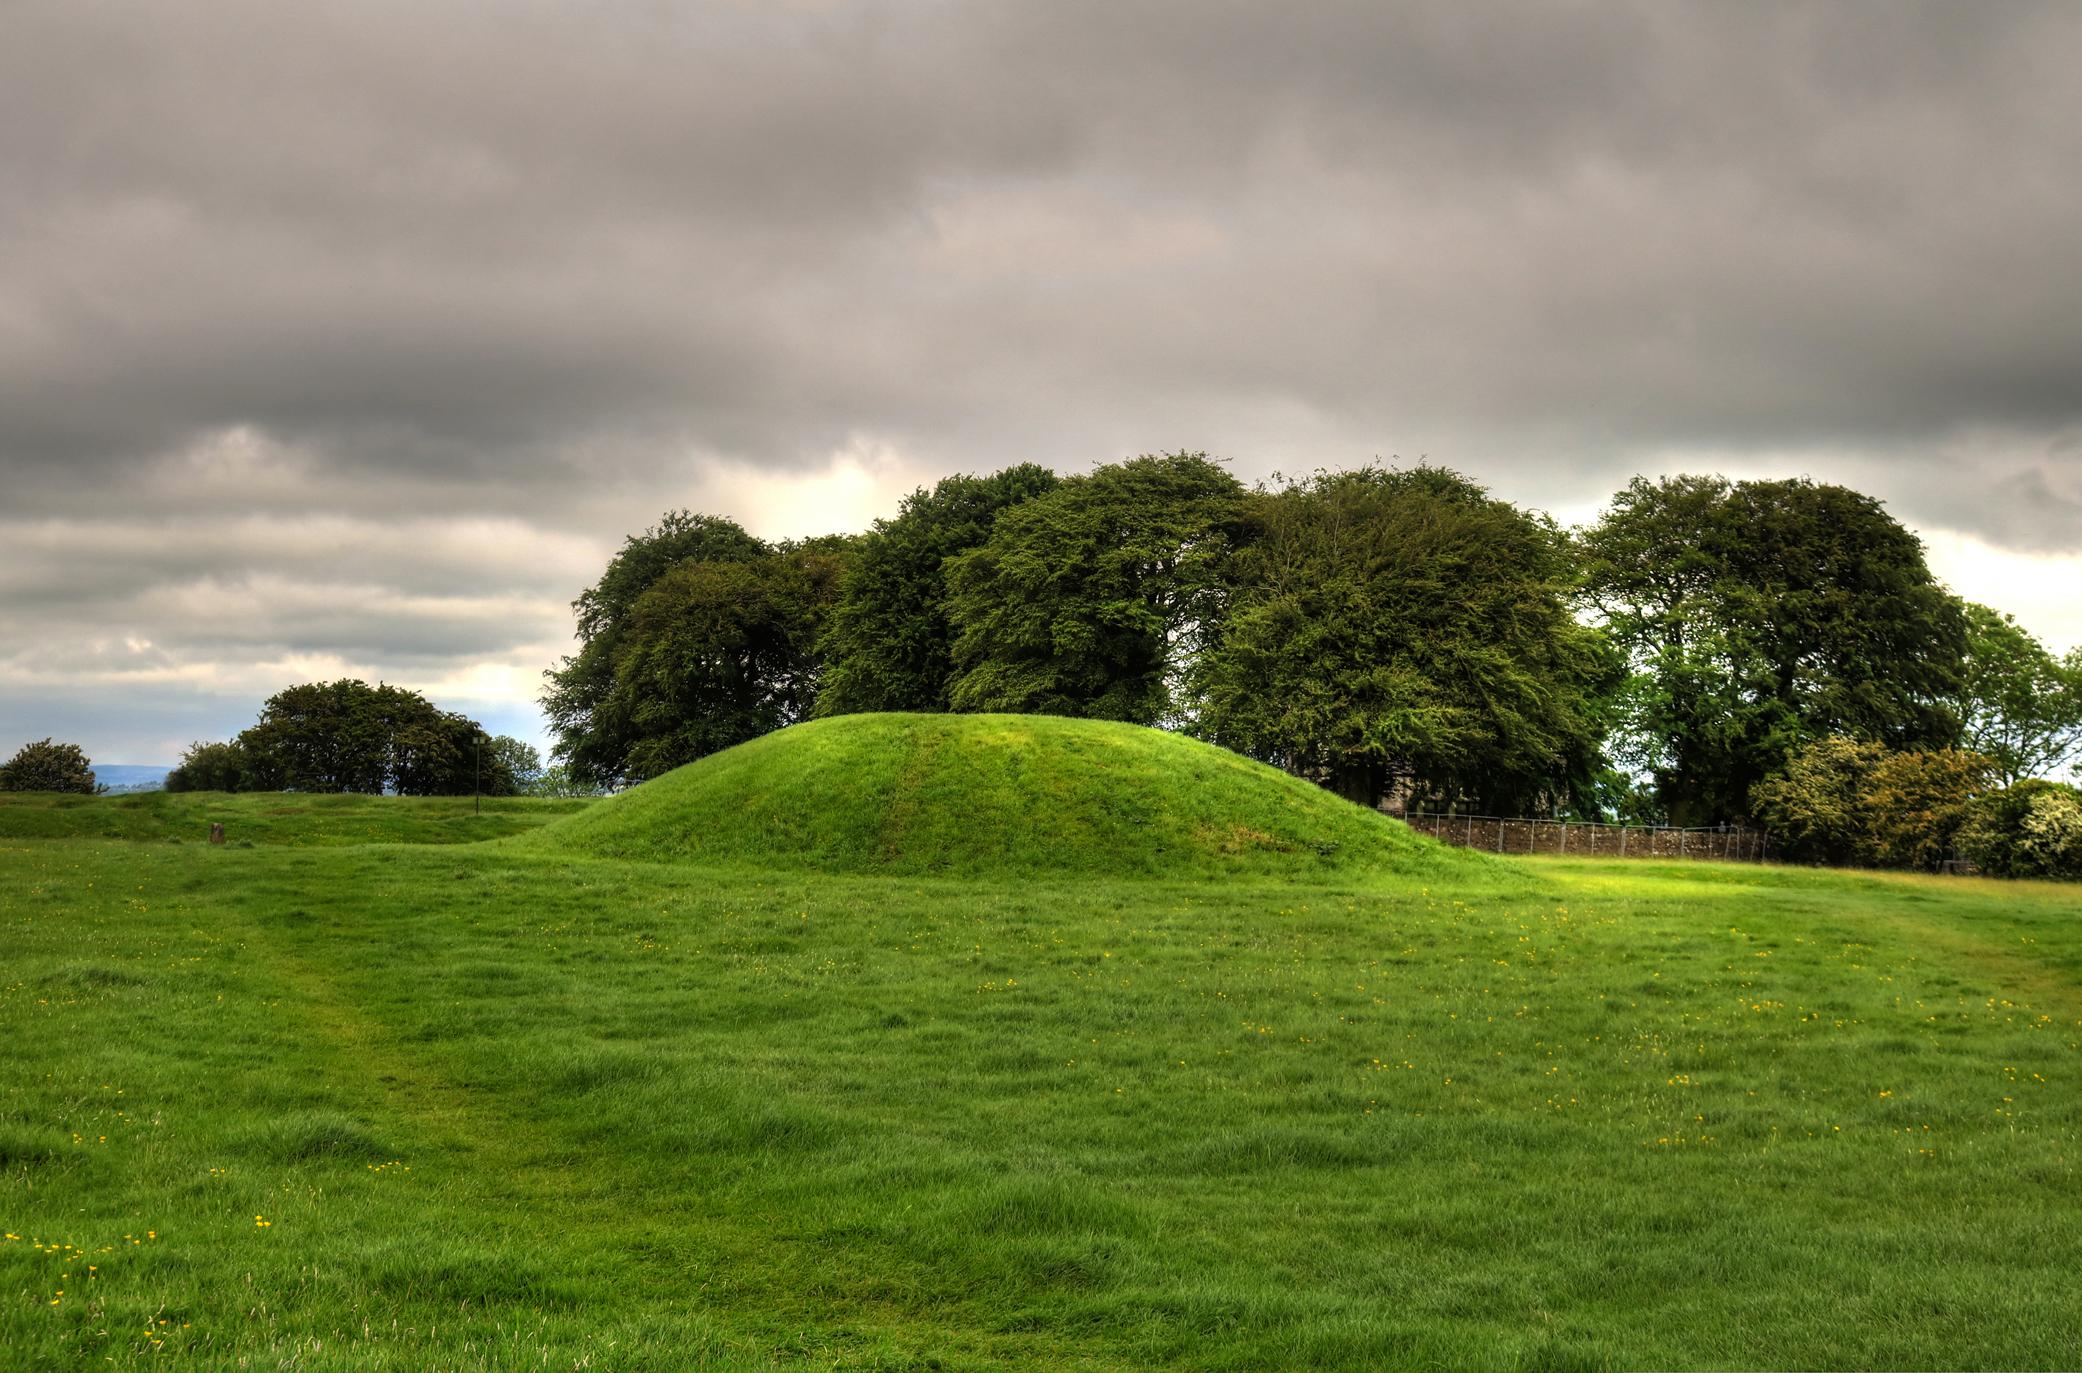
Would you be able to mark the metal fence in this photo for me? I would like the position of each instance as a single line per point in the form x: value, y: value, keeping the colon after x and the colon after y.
x: 1505, y: 834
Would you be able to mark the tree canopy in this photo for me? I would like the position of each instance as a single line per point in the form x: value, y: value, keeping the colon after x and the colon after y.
x: 1089, y: 600
x: 210, y: 767
x: 717, y: 653
x: 48, y: 766
x: 520, y: 761
x: 889, y: 643
x: 1383, y: 631
x: 698, y: 636
x: 1402, y: 627
x: 350, y: 736
x: 1757, y: 615
x: 2018, y: 704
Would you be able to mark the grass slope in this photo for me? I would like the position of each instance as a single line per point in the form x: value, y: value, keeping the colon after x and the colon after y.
x: 997, y: 795
x: 274, y: 817
x: 391, y: 1107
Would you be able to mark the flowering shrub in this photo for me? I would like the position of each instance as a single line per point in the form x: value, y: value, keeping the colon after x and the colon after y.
x: 2033, y: 829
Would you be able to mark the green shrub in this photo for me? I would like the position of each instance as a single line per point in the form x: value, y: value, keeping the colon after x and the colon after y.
x: 1848, y: 801
x: 1818, y: 810
x: 45, y: 766
x: 1917, y: 802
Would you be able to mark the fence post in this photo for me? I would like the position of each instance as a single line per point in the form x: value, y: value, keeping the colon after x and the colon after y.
x: 1468, y: 833
x: 1499, y: 835
x: 1622, y: 841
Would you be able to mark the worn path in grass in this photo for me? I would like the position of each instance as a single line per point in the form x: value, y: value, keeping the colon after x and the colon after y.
x: 502, y: 1109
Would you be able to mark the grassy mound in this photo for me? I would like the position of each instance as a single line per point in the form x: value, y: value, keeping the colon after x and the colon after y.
x: 980, y: 795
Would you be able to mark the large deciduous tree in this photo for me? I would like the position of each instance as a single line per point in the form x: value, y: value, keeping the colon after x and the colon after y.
x: 717, y: 653
x: 698, y: 636
x: 1403, y: 628
x: 2019, y: 705
x: 593, y: 738
x: 889, y: 642
x: 47, y: 766
x: 1757, y: 615
x: 1089, y: 600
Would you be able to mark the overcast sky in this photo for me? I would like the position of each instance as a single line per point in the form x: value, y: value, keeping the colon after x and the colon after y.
x: 351, y: 339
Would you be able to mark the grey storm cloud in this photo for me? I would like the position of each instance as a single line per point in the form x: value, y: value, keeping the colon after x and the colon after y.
x: 547, y: 268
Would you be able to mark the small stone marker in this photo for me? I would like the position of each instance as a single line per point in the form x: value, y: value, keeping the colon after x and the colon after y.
x: 216, y: 833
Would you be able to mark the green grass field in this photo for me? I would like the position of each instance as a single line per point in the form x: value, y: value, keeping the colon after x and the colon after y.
x: 276, y: 817
x: 328, y: 1105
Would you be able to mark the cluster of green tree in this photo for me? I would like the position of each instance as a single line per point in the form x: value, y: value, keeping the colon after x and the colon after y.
x: 1851, y: 801
x: 1376, y: 629
x: 1404, y: 630
x: 1380, y: 630
x: 45, y: 766
x: 350, y: 736
x: 2018, y: 705
x: 1755, y: 616
x: 1371, y: 628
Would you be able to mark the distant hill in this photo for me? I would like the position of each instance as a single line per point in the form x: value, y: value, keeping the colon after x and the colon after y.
x: 128, y: 777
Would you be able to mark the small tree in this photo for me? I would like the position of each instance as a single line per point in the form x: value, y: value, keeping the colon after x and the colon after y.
x: 556, y: 780
x: 2018, y: 704
x: 210, y: 767
x: 2051, y: 840
x: 45, y: 766
x: 520, y: 762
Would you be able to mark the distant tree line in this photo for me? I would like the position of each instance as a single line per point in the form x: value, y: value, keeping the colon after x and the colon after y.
x: 1385, y: 631
x: 349, y: 736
